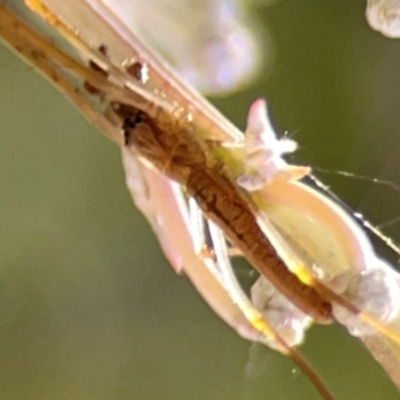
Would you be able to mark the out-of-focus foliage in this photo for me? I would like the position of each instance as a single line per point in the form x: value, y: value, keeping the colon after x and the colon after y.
x: 217, y: 45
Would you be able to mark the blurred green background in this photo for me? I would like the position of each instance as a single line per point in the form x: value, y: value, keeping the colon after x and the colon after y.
x: 89, y: 308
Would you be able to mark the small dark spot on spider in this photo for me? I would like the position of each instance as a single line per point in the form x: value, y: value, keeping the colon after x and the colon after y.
x: 127, y: 139
x: 131, y: 122
x: 103, y: 49
x: 129, y: 125
x: 136, y: 70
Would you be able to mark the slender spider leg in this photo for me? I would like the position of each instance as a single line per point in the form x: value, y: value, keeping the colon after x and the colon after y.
x: 269, y: 335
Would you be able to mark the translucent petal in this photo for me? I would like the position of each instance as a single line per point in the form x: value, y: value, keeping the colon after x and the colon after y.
x: 288, y: 321
x: 154, y: 195
x: 376, y: 292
